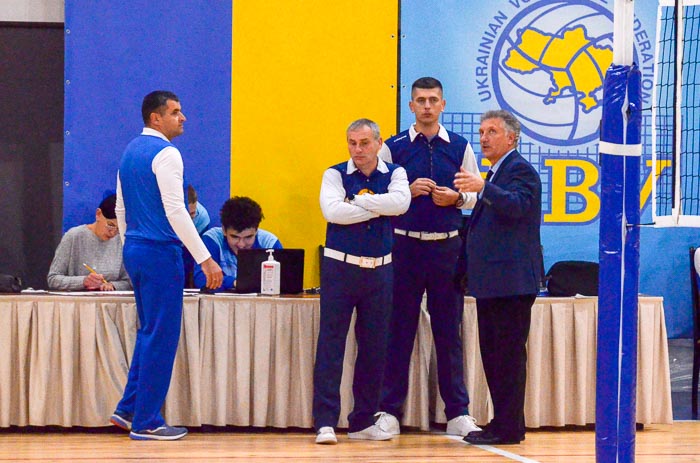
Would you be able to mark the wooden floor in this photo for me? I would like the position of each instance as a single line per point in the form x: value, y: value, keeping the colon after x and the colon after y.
x: 677, y: 443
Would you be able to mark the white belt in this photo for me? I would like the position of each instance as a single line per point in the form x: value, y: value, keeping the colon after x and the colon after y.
x: 364, y: 262
x: 427, y: 236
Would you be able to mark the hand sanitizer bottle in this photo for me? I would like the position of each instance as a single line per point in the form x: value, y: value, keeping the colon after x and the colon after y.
x: 270, y: 275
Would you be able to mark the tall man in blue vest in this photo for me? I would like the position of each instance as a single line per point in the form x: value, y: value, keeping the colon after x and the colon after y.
x: 154, y: 224
x: 504, y: 270
x: 357, y: 198
x: 425, y: 252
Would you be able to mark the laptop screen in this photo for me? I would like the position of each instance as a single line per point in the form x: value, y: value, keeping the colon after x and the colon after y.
x: 291, y: 270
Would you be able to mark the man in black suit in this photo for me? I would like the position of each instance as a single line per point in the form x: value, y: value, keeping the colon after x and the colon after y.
x: 503, y: 268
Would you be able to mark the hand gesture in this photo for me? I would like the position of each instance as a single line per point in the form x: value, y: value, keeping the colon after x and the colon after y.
x: 422, y: 187
x: 213, y: 273
x: 467, y: 182
x: 444, y: 196
x: 93, y: 281
x: 107, y: 286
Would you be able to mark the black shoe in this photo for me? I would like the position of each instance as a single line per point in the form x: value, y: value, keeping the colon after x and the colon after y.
x: 488, y: 438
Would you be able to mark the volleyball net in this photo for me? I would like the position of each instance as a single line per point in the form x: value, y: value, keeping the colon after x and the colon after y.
x: 676, y: 115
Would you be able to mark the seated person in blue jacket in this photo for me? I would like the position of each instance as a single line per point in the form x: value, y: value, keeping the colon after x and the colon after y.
x: 200, y: 218
x: 240, y: 218
x: 199, y: 213
x: 96, y: 245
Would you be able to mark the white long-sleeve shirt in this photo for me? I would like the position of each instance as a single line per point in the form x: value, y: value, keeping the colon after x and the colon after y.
x: 363, y: 207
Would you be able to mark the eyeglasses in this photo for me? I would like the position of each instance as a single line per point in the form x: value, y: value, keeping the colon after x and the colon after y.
x: 111, y: 226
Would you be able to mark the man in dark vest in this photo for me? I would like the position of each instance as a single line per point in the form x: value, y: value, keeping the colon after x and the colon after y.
x: 357, y: 198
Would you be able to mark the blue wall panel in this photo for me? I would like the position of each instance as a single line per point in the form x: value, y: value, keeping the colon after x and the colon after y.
x: 115, y: 55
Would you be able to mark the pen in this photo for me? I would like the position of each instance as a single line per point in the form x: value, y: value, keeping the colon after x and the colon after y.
x: 91, y: 270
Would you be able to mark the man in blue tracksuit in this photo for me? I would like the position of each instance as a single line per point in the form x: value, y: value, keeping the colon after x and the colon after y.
x: 154, y: 223
x: 357, y: 198
x: 426, y: 249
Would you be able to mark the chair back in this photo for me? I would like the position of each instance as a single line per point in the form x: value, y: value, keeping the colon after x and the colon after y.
x: 695, y: 296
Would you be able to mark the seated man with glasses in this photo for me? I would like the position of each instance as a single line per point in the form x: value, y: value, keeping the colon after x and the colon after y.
x: 240, y: 218
x: 89, y: 257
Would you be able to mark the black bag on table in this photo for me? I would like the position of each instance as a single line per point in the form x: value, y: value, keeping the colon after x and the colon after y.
x: 572, y: 277
x: 10, y: 284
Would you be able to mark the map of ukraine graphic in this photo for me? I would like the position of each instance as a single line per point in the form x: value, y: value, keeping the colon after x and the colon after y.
x: 572, y: 61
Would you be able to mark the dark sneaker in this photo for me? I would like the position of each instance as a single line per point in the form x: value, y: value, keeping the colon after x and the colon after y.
x: 164, y: 432
x: 121, y: 420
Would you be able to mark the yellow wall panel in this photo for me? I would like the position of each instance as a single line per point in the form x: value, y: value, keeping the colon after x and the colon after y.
x: 302, y: 71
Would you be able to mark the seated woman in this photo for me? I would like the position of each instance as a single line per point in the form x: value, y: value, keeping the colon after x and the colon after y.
x: 95, y: 245
x: 240, y: 218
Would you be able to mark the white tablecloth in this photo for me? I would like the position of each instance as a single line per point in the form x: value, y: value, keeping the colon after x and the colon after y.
x: 248, y: 361
x: 561, y: 368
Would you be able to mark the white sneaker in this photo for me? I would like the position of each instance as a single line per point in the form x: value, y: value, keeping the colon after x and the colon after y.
x: 462, y: 425
x: 326, y: 435
x: 373, y: 432
x: 388, y: 423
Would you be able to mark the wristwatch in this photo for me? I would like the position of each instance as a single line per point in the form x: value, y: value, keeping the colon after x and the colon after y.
x: 461, y: 200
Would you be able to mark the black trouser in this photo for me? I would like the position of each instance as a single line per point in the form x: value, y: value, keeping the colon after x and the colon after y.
x: 504, y: 324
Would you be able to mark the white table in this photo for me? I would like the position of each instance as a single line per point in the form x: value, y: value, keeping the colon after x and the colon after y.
x: 248, y: 361
x: 64, y: 359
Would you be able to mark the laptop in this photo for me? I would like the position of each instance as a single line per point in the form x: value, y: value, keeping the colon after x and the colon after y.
x: 291, y: 270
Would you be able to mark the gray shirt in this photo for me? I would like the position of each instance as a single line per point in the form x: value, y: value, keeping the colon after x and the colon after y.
x: 80, y: 245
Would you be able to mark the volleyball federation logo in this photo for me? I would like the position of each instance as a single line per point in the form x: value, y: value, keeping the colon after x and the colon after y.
x: 548, y: 68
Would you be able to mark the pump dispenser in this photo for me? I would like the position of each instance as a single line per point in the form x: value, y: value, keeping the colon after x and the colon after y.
x: 270, y: 275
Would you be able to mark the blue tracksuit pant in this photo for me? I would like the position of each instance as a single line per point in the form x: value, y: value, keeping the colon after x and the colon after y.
x: 156, y: 272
